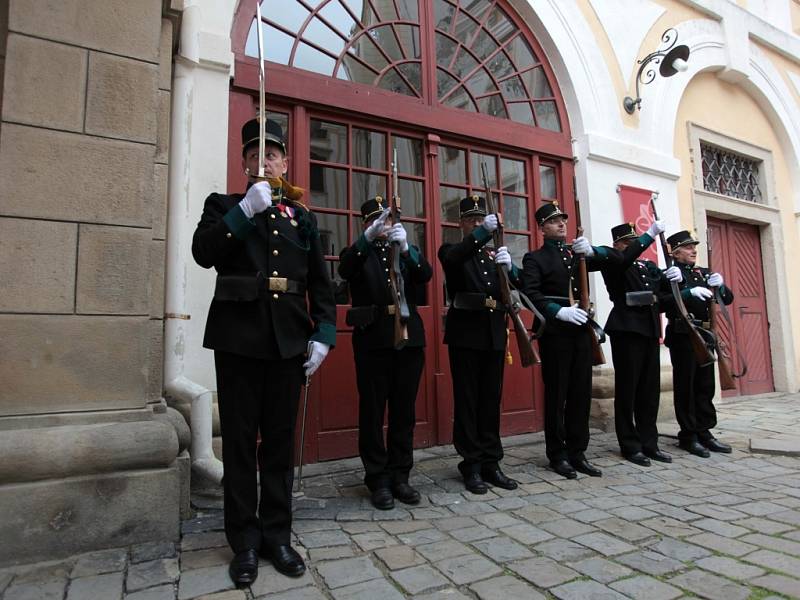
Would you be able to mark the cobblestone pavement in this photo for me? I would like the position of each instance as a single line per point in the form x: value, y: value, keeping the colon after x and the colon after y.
x: 726, y: 528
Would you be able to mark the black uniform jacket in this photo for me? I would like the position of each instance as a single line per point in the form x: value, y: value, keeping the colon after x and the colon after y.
x: 547, y: 275
x: 366, y: 267
x: 469, y: 267
x: 699, y: 309
x: 246, y: 316
x: 628, y: 274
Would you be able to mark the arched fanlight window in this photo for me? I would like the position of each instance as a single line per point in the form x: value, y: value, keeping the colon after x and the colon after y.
x: 483, y: 61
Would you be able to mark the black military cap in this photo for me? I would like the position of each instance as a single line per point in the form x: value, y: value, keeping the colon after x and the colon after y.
x: 682, y: 238
x: 548, y: 211
x: 373, y: 207
x: 623, y: 232
x: 272, y: 133
x: 472, y: 206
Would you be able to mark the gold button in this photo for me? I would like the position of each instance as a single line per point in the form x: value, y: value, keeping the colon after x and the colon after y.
x: 274, y: 253
x: 272, y: 215
x: 274, y: 273
x: 227, y: 235
x: 275, y: 296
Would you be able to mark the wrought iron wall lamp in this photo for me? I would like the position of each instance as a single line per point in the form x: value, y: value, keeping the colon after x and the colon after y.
x: 672, y: 59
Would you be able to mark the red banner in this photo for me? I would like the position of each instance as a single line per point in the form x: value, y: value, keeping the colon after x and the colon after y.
x: 636, y: 210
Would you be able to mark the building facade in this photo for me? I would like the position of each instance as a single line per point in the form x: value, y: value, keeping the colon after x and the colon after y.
x: 135, y: 109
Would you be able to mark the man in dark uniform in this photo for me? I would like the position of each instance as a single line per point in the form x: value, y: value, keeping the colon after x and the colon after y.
x: 383, y: 372
x: 265, y: 247
x: 693, y: 385
x: 549, y: 274
x: 476, y: 338
x: 639, y: 291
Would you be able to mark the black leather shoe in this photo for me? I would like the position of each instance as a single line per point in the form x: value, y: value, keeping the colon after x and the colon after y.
x: 695, y: 448
x: 583, y: 466
x: 657, y: 455
x: 498, y: 478
x: 716, y: 446
x: 475, y: 483
x: 382, y: 498
x: 405, y: 493
x: 637, y: 458
x: 244, y: 568
x: 285, y: 559
x: 563, y: 468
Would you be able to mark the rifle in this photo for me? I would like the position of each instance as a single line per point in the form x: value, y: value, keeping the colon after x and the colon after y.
x: 396, y: 284
x: 527, y: 353
x: 726, y: 374
x: 596, y: 333
x: 702, y: 354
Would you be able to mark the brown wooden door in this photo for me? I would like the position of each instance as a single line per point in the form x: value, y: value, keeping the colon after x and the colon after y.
x: 737, y: 256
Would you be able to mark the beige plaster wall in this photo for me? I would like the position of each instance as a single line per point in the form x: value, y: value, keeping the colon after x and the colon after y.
x: 728, y: 110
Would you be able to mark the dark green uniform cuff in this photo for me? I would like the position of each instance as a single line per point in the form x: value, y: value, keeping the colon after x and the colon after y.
x: 601, y: 252
x: 325, y: 333
x: 514, y: 273
x: 413, y: 256
x: 551, y: 310
x: 645, y: 240
x: 238, y: 222
x: 481, y: 233
x: 362, y: 245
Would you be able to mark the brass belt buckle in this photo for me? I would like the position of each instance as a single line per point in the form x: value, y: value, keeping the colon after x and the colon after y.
x: 278, y: 284
x: 390, y: 309
x: 490, y: 303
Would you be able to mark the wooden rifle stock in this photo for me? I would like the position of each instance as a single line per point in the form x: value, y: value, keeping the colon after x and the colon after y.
x: 584, y: 301
x: 702, y: 353
x: 396, y: 283
x: 527, y: 353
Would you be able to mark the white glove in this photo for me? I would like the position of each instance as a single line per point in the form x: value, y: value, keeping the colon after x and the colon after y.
x: 502, y: 257
x: 490, y: 222
x: 317, y: 351
x: 257, y: 200
x: 715, y: 280
x: 701, y: 293
x: 674, y: 274
x: 655, y: 228
x: 398, y: 234
x: 377, y: 227
x: 582, y: 246
x: 572, y: 314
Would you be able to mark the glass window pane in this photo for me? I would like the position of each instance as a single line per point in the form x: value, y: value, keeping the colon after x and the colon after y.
x: 465, y: 63
x: 277, y: 50
x: 547, y: 182
x: 322, y: 35
x: 413, y: 74
x: 518, y: 246
x: 369, y: 149
x: 465, y: 27
x: 547, y: 115
x: 513, y: 89
x: 409, y: 38
x: 536, y: 82
x: 392, y: 82
x: 452, y: 165
x: 416, y: 236
x: 493, y: 105
x: 366, y: 186
x: 291, y: 16
x: 409, y: 155
x: 311, y: 59
x: 339, y: 18
x: 515, y: 212
x: 366, y: 50
x: 444, y: 82
x: 409, y: 10
x: 385, y: 38
x: 500, y: 26
x: 500, y: 66
x: 354, y: 70
x: 443, y: 14
x: 449, y: 199
x: 451, y: 235
x: 362, y: 9
x: 476, y: 159
x: 521, y: 53
x: 480, y: 83
x: 328, y: 187
x: 483, y: 45
x: 512, y: 175
x: 445, y: 50
x: 328, y: 142
x: 521, y: 112
x: 461, y: 99
x: 475, y: 7
x: 412, y: 196
x: 332, y: 232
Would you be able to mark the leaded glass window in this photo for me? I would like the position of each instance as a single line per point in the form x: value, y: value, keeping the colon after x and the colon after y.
x: 730, y: 174
x: 483, y: 61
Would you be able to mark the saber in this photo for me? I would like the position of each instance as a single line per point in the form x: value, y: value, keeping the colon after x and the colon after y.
x: 303, y: 436
x: 261, y: 95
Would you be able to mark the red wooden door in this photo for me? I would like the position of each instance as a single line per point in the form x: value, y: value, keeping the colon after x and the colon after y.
x: 737, y: 256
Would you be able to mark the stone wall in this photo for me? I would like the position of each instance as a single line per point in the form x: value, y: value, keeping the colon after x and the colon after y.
x: 83, y: 198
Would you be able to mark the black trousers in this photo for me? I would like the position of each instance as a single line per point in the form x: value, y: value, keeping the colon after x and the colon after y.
x: 693, y: 390
x: 477, y: 390
x: 567, y: 375
x: 387, y: 376
x: 257, y: 396
x: 637, y: 385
